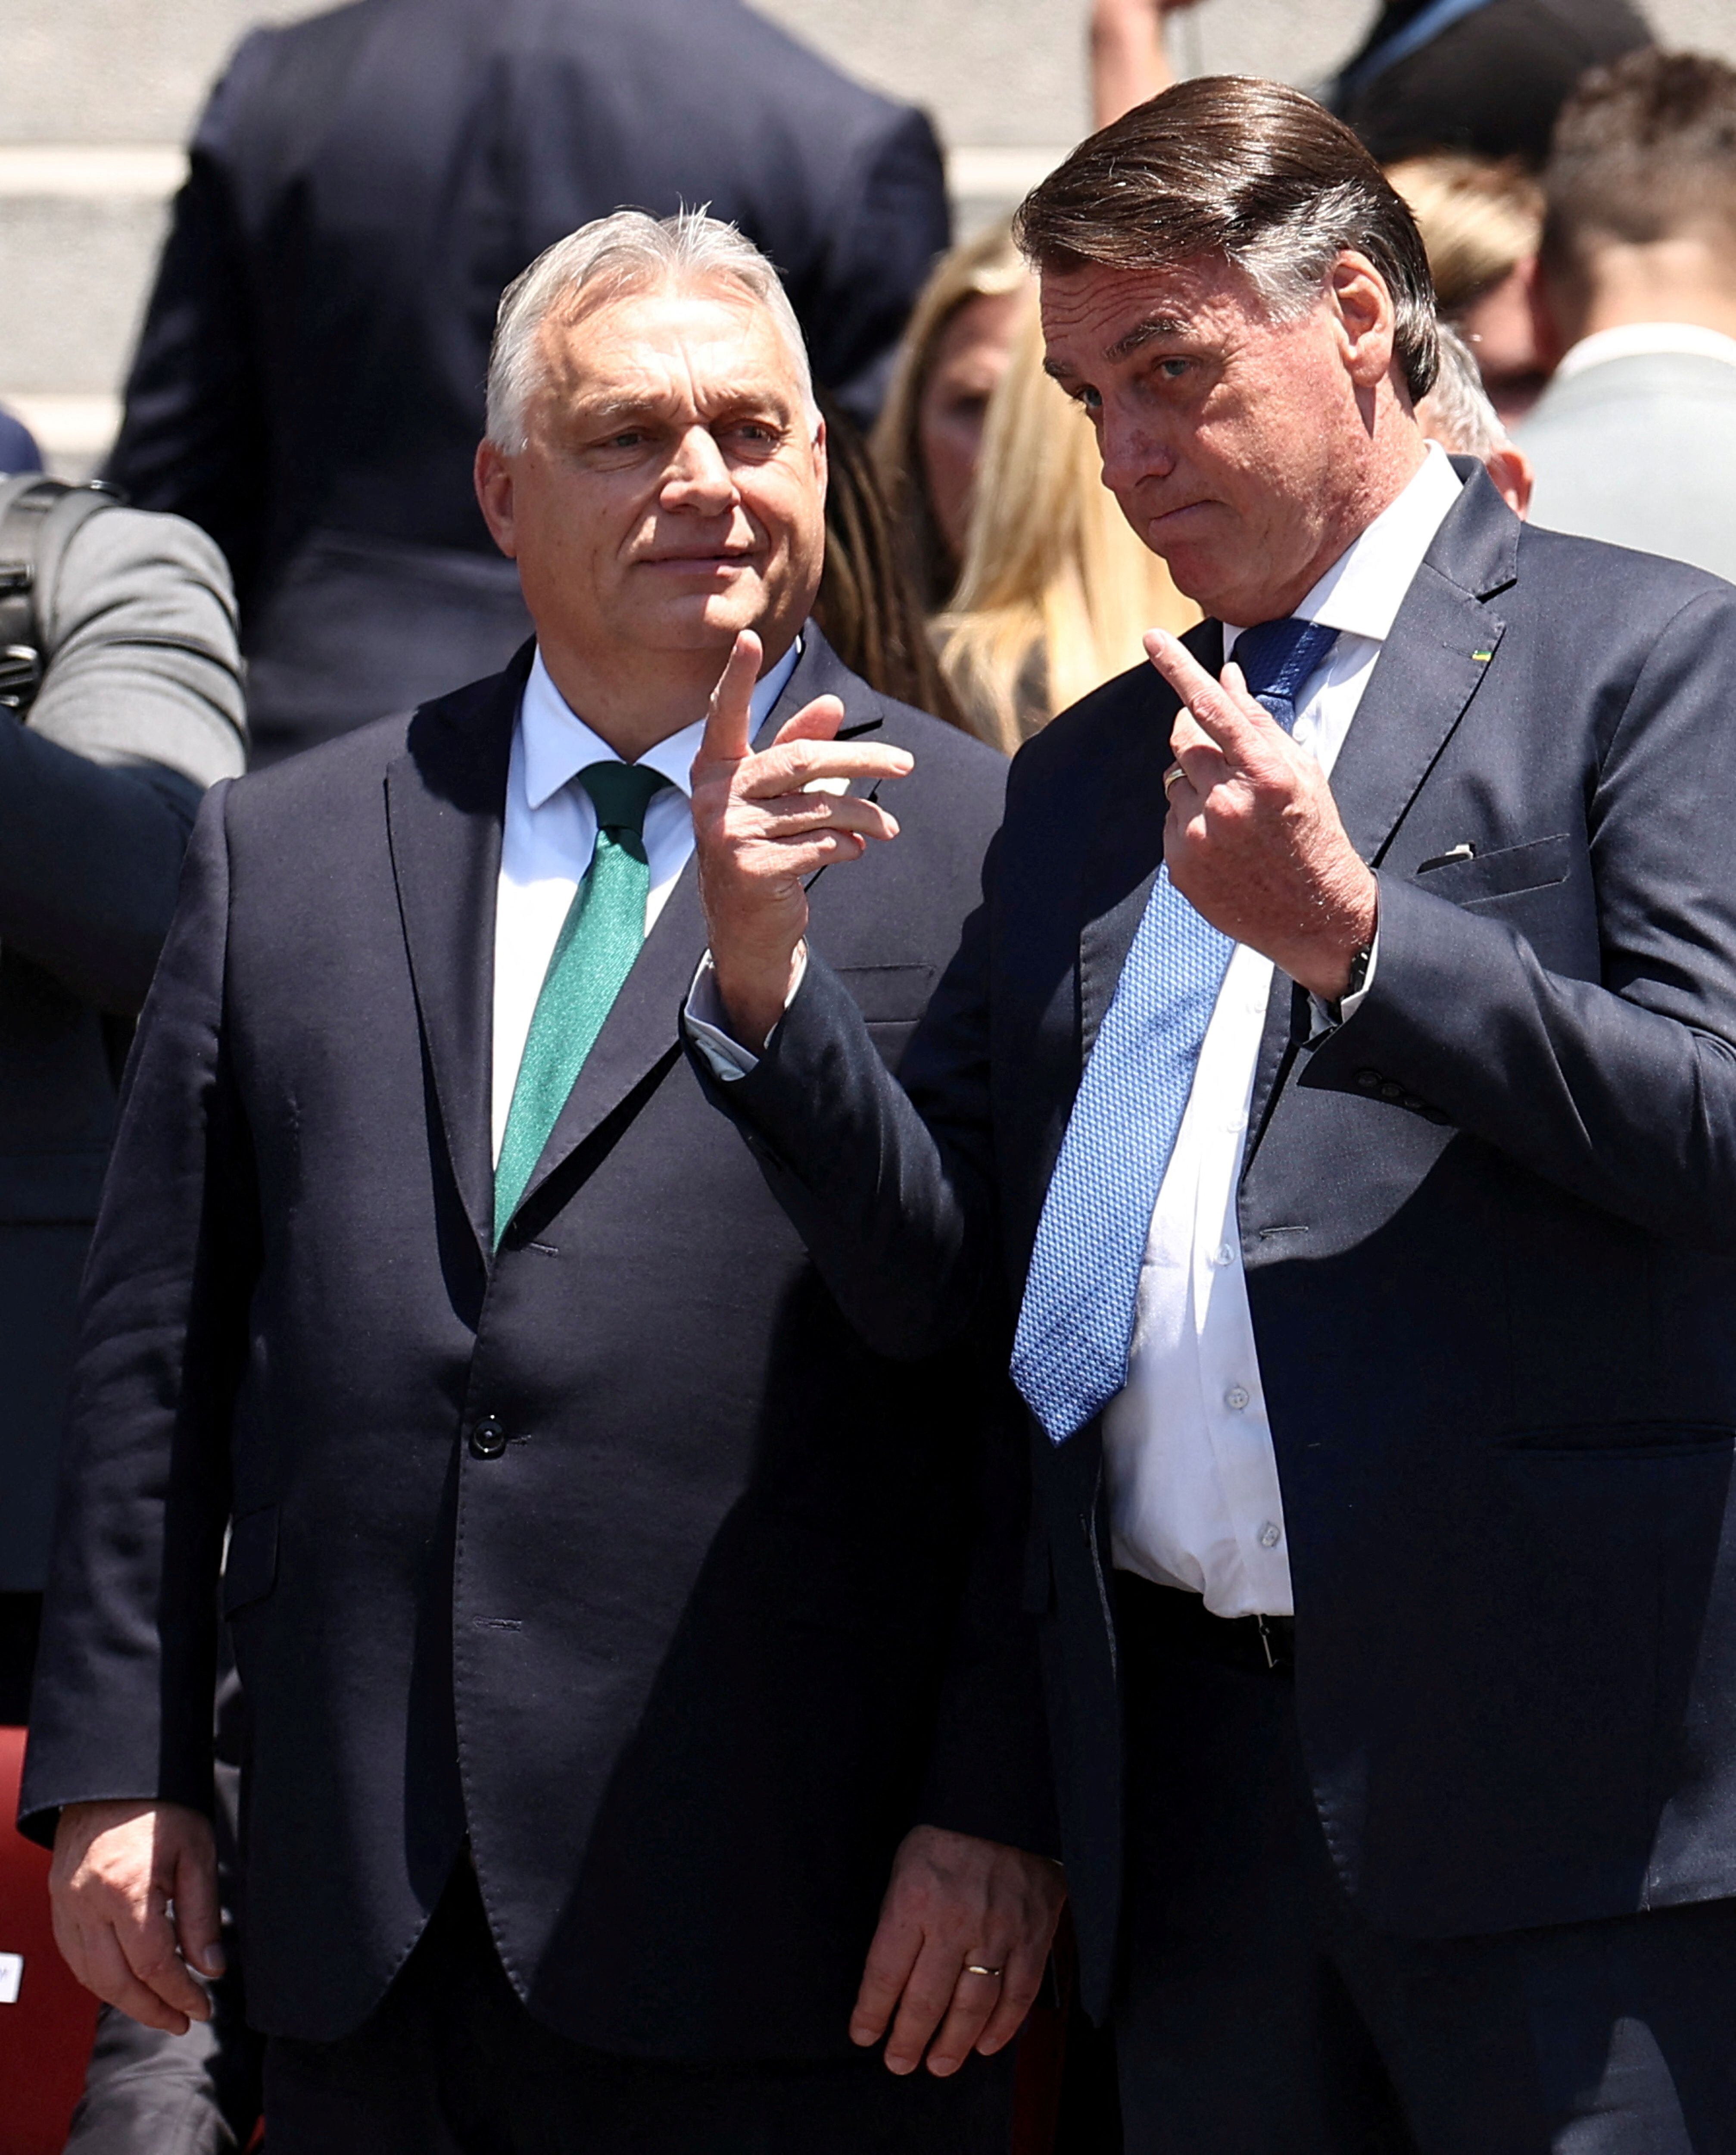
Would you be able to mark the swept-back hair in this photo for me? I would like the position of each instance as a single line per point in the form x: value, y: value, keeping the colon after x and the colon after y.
x: 606, y: 259
x: 1250, y: 172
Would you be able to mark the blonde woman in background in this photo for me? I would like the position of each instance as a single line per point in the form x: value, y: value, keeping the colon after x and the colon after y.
x: 930, y: 432
x: 1482, y: 223
x: 1056, y: 591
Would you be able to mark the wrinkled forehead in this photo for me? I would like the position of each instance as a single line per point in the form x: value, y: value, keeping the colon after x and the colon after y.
x: 707, y: 345
x: 1096, y: 313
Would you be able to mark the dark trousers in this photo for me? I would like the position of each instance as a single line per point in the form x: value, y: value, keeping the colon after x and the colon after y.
x: 451, y: 2063
x: 1262, y: 2015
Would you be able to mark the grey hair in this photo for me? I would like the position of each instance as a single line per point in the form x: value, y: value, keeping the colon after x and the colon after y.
x: 606, y: 259
x: 1463, y: 419
x: 1289, y: 261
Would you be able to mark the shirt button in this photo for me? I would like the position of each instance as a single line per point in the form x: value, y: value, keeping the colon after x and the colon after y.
x: 1224, y: 1254
x: 488, y: 1439
x: 1235, y: 1397
x: 1271, y: 1534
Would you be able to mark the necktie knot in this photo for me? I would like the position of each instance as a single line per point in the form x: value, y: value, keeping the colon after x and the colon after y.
x: 1277, y: 657
x: 622, y: 792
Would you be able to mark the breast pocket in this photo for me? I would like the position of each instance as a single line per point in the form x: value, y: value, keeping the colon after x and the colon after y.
x: 1472, y: 879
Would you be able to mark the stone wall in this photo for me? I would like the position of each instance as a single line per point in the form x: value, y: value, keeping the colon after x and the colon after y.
x: 96, y: 95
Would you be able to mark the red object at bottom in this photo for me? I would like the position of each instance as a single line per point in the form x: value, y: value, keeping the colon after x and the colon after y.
x: 46, y: 2031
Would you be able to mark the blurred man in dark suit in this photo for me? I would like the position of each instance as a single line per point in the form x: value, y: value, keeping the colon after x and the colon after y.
x: 602, y: 1605
x: 308, y: 383
x: 1487, y: 76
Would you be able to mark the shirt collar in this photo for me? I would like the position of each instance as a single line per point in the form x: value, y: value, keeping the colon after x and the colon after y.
x: 558, y: 744
x: 1361, y: 593
x: 1642, y: 341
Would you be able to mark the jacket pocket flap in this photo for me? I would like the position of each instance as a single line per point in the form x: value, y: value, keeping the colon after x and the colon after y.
x: 251, y: 1570
x: 1475, y: 877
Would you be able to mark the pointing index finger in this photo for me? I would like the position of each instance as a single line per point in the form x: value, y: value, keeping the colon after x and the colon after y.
x: 1221, y: 708
x: 728, y: 718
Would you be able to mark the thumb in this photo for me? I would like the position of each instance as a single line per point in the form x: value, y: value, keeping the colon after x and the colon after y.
x: 727, y: 720
x: 198, y: 1918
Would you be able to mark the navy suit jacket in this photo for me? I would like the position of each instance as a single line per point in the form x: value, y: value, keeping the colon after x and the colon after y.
x: 613, y: 1550
x: 1489, y: 1224
x: 308, y: 381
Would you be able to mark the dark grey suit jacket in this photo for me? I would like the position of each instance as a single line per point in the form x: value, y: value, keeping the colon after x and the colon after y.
x: 140, y: 711
x: 1489, y: 1224
x: 612, y: 1550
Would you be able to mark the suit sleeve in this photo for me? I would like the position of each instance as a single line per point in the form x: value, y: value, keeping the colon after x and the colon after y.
x: 884, y: 236
x: 193, y: 435
x: 140, y: 711
x: 886, y: 1180
x: 125, y: 1675
x: 1623, y: 1090
x: 989, y: 1772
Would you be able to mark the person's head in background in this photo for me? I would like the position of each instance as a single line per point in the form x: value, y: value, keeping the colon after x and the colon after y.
x: 1458, y: 414
x: 1486, y: 79
x: 1481, y: 221
x: 1056, y: 591
x: 930, y: 432
x: 1640, y: 202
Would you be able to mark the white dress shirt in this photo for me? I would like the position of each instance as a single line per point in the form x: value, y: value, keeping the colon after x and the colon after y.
x: 1194, y: 1491
x: 549, y: 835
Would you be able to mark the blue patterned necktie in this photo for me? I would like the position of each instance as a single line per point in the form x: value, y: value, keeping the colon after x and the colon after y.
x: 1069, y: 1356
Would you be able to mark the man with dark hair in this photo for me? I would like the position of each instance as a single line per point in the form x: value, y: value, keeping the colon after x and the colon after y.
x: 1635, y: 439
x: 1339, y: 1080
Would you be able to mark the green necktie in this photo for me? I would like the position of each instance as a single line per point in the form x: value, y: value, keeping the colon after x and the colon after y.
x: 594, y: 953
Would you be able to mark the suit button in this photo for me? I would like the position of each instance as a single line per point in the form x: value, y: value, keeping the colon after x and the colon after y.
x: 1369, y: 1080
x: 488, y: 1439
x: 1416, y: 1106
x: 1390, y: 1090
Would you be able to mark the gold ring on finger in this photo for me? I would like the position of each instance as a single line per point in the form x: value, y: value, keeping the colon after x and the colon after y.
x: 1170, y: 776
x: 972, y: 1969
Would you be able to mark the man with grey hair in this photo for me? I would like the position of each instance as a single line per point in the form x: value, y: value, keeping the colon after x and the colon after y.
x: 1458, y: 414
x: 628, y: 1750
x: 1339, y: 1078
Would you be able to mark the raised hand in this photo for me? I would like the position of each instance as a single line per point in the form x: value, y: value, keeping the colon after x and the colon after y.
x: 761, y: 833
x: 1253, y: 840
x: 963, y: 1941
x: 133, y: 1888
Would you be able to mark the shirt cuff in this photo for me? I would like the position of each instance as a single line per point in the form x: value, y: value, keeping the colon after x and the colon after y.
x: 708, y: 1024
x: 1326, y: 1018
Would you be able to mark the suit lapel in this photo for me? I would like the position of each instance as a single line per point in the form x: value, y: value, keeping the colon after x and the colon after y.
x: 1430, y: 667
x: 445, y: 798
x: 640, y: 1033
